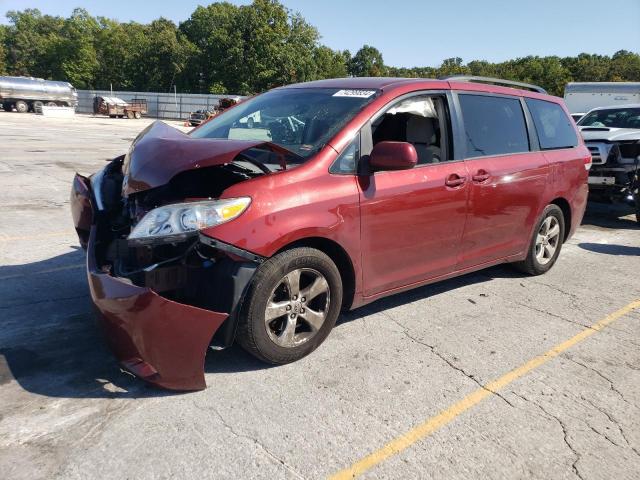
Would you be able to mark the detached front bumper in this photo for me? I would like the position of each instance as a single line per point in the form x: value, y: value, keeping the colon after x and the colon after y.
x: 159, y: 340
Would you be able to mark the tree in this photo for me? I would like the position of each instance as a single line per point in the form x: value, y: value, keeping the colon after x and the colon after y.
x: 75, y: 50
x: 3, y: 62
x: 212, y: 31
x: 588, y: 68
x: 624, y: 66
x: 164, y: 55
x: 30, y: 43
x: 452, y: 66
x: 330, y: 63
x: 367, y: 62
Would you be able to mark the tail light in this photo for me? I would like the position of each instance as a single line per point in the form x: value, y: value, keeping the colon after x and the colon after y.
x: 587, y: 162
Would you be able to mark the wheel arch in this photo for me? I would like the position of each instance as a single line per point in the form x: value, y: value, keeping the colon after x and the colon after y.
x: 339, y: 256
x: 564, y: 205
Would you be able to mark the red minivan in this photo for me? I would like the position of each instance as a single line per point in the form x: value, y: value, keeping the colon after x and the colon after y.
x: 265, y: 222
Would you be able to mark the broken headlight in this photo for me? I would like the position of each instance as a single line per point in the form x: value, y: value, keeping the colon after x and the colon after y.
x: 178, y: 221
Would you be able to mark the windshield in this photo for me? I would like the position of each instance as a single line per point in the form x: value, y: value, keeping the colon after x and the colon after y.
x: 612, y: 118
x: 300, y: 120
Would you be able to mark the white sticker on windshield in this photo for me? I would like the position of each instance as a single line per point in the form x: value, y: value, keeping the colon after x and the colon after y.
x: 354, y: 93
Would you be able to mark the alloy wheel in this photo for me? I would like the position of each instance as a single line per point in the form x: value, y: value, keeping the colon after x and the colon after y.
x: 547, y: 240
x: 297, y: 307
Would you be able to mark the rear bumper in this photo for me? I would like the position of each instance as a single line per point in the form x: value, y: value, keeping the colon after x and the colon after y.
x: 159, y: 340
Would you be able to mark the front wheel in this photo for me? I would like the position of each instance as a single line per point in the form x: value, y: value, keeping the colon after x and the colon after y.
x: 291, y: 306
x: 546, y: 243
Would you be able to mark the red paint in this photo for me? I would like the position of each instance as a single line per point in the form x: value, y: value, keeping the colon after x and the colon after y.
x: 393, y: 156
x: 161, y: 341
x: 161, y: 152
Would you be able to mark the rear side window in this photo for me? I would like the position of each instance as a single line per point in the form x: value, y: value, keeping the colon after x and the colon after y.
x: 552, y: 124
x: 493, y: 125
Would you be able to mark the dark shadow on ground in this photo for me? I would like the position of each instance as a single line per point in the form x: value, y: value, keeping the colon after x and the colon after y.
x: 51, y: 345
x: 610, y: 216
x: 439, y: 288
x: 611, y: 249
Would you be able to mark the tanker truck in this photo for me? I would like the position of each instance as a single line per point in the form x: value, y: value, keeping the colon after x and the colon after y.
x: 30, y: 94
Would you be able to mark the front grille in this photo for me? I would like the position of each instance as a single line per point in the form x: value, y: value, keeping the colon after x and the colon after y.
x: 596, y: 155
x: 630, y: 150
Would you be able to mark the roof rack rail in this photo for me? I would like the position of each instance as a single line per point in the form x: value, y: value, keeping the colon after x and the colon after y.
x: 495, y: 81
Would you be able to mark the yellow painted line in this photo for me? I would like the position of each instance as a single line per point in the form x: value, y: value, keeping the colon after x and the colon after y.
x: 40, y: 272
x: 35, y: 236
x: 428, y: 427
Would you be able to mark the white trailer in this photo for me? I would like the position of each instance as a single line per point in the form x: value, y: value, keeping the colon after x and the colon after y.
x: 581, y: 97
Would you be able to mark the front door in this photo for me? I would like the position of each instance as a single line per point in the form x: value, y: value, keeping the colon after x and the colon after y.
x: 412, y: 220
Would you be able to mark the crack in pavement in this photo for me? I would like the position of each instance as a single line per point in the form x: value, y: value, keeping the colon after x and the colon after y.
x: 616, y: 423
x: 612, y: 387
x: 565, y: 433
x: 272, y: 456
x: 433, y: 350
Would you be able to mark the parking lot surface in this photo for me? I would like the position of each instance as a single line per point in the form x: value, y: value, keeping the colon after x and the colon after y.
x: 402, y: 388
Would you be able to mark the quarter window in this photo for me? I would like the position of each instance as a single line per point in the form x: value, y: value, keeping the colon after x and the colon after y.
x: 552, y: 125
x: 493, y: 125
x: 346, y: 162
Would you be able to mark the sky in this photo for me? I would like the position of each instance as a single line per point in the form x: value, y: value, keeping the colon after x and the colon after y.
x: 421, y: 32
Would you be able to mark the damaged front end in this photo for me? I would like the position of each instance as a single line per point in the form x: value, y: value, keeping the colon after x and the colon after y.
x: 165, y: 292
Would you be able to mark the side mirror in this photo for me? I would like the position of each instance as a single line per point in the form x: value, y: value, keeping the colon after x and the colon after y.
x: 393, y: 156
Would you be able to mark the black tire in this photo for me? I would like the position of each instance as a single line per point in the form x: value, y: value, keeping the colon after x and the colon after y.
x: 8, y: 107
x: 637, y: 200
x: 22, y: 106
x: 252, y: 329
x: 52, y: 104
x: 137, y: 115
x: 531, y: 264
x: 37, y: 106
x: 129, y: 114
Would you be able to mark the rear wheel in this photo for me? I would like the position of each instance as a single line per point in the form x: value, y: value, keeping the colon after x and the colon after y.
x: 37, y: 106
x: 137, y: 114
x: 129, y: 114
x: 52, y: 104
x: 291, y: 306
x: 8, y: 107
x: 22, y: 106
x: 546, y: 243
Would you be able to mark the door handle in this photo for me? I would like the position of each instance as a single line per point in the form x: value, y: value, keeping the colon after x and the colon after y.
x: 481, y: 176
x: 454, y: 180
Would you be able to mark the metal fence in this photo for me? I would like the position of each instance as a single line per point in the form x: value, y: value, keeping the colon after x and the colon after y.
x: 160, y: 105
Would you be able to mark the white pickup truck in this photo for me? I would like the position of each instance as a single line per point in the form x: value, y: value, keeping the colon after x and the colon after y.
x: 612, y: 134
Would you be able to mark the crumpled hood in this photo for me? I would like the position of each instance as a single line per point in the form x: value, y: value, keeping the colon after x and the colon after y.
x: 609, y: 134
x: 160, y: 152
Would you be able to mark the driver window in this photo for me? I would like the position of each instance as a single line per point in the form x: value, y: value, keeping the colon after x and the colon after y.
x: 419, y: 120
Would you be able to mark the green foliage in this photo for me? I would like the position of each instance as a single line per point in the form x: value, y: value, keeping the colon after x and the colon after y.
x: 3, y: 53
x: 367, y: 62
x: 227, y: 49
